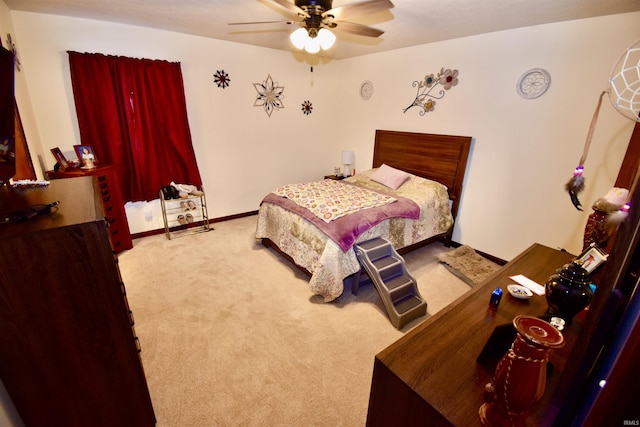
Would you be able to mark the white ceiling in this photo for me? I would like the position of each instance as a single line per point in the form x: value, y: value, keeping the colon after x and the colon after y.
x: 409, y: 23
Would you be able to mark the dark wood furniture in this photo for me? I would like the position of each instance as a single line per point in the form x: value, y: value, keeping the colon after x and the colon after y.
x: 441, y: 158
x: 68, y: 355
x: 627, y: 172
x: 609, y: 345
x: 334, y: 177
x: 112, y: 202
x: 7, y: 128
x: 24, y: 165
x: 431, y: 376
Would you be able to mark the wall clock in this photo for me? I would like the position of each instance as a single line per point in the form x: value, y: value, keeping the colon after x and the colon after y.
x: 533, y: 83
x: 366, y: 90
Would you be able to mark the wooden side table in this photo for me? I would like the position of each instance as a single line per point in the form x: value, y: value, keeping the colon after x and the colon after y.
x: 334, y: 177
x: 432, y: 376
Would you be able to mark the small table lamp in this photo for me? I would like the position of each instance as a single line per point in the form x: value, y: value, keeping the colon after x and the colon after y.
x: 348, y: 158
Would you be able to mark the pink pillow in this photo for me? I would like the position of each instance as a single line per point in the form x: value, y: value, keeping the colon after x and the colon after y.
x: 391, y: 177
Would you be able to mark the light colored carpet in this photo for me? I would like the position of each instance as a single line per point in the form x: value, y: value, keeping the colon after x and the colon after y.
x: 468, y: 265
x: 232, y: 336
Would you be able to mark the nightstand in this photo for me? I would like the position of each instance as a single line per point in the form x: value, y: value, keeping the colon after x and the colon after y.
x: 334, y: 177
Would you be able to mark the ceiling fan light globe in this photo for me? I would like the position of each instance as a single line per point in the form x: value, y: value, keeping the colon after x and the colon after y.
x: 327, y: 38
x: 299, y: 38
x: 312, y: 45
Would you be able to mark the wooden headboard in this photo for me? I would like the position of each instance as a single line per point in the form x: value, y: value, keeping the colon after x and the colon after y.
x: 441, y: 158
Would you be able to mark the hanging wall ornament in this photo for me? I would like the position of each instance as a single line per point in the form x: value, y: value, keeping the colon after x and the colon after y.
x: 221, y: 79
x: 366, y: 90
x: 425, y: 99
x: 624, y: 93
x: 576, y: 183
x: 533, y: 83
x: 625, y: 83
x: 269, y: 96
x: 307, y: 108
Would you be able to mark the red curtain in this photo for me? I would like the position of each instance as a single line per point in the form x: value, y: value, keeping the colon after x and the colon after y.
x: 133, y: 113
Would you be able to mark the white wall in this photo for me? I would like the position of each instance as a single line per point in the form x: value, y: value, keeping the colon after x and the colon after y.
x: 524, y: 150
x: 242, y: 153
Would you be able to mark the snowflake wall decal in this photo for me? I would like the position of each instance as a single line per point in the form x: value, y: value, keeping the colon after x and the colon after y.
x: 424, y: 98
x: 270, y: 95
x: 307, y: 107
x: 221, y: 79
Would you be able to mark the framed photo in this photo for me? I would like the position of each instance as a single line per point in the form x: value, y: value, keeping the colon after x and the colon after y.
x: 592, y: 258
x: 86, y: 156
x: 60, y: 158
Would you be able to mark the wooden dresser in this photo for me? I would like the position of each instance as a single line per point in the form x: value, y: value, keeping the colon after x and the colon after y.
x: 111, y: 198
x: 432, y: 375
x: 69, y: 355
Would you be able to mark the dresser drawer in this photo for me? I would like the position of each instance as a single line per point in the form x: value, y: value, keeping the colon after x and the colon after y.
x: 107, y: 188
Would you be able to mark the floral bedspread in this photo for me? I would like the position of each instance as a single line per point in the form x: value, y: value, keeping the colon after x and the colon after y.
x: 330, y: 199
x: 345, y: 229
x: 311, y: 249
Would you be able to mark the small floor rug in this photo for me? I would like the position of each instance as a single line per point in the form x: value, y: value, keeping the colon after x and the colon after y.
x: 468, y: 265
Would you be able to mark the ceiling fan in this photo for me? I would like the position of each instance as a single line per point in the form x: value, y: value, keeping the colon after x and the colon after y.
x: 316, y: 17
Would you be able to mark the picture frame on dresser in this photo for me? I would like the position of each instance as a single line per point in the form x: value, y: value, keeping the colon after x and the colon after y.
x: 86, y: 156
x: 60, y: 158
x: 592, y: 258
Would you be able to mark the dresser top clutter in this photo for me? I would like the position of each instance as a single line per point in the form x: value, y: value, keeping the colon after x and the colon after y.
x: 71, y: 210
x: 433, y: 374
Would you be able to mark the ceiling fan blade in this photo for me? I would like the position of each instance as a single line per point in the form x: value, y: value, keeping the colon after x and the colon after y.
x: 291, y: 7
x: 358, y: 9
x: 357, y: 29
x: 261, y: 22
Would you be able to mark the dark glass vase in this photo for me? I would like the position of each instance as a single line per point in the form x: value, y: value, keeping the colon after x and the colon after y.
x: 568, y: 292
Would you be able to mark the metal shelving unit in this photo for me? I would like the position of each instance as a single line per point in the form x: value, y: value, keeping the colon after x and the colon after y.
x: 185, y: 216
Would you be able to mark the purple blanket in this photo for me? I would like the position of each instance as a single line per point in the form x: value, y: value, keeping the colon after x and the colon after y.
x: 346, y: 230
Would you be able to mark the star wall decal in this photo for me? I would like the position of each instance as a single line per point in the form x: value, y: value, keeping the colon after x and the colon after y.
x: 221, y: 79
x: 269, y: 96
x: 307, y: 107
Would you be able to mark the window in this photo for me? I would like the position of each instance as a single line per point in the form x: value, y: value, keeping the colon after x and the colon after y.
x: 133, y: 113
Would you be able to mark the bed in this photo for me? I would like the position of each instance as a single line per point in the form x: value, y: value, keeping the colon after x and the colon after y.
x: 436, y: 166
